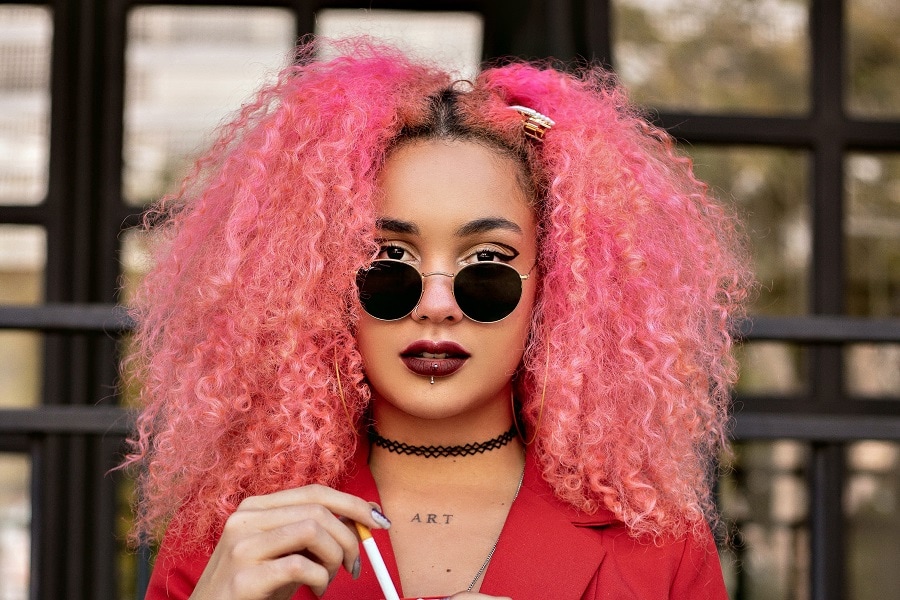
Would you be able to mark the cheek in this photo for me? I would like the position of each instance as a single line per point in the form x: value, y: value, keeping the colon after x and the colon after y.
x: 367, y: 337
x: 379, y: 344
x: 527, y: 306
x: 368, y: 342
x: 378, y: 369
x: 520, y: 325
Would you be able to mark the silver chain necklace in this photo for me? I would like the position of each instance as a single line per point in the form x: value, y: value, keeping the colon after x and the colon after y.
x: 490, y: 555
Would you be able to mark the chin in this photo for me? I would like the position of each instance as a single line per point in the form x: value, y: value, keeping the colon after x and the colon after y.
x: 442, y: 400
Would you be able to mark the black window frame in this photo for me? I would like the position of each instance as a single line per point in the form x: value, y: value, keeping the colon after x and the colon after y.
x: 76, y: 435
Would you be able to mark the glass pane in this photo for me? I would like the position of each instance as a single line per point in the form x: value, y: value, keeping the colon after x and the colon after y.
x: 872, y: 237
x: 135, y: 262
x: 872, y: 234
x: 764, y: 504
x: 728, y: 56
x: 15, y: 526
x: 125, y: 554
x: 873, y: 58
x: 23, y: 253
x: 25, y: 38
x: 769, y: 189
x: 873, y: 370
x: 872, y: 508
x: 771, y: 368
x: 452, y: 39
x: 187, y: 69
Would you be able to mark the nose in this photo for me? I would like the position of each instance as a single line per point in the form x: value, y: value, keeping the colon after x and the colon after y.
x: 437, y: 303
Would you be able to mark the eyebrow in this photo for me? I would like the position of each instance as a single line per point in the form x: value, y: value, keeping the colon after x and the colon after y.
x: 397, y: 226
x: 471, y: 228
x: 487, y: 224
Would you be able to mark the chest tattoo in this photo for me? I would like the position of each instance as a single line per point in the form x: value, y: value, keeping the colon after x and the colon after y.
x: 431, y: 519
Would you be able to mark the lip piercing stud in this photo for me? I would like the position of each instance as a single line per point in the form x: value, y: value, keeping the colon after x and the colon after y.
x: 434, y: 367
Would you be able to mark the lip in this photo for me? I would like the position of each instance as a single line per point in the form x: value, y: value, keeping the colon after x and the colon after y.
x: 454, y: 357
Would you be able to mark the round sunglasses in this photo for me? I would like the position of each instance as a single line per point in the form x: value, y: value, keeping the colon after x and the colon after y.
x: 485, y: 292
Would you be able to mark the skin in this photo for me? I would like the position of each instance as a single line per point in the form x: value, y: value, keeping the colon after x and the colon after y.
x: 276, y: 543
x: 437, y: 189
x: 273, y: 544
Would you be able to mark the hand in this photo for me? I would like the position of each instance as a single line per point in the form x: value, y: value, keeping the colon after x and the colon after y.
x: 276, y: 543
x: 476, y: 596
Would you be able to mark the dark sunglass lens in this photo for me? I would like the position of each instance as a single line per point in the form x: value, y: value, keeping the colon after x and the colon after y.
x: 487, y: 292
x: 389, y: 289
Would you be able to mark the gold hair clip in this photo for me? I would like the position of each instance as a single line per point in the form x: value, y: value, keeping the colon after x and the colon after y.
x: 535, y: 124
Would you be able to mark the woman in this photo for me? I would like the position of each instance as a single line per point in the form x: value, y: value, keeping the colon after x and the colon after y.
x: 496, y: 312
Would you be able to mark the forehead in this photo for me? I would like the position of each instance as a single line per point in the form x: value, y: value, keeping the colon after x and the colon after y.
x: 452, y: 180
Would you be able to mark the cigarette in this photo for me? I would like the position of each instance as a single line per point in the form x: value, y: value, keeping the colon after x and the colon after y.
x: 381, y: 572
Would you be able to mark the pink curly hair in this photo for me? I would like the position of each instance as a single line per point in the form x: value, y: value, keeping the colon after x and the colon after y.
x: 251, y: 305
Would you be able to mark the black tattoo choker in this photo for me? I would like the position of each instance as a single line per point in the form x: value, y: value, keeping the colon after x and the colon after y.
x: 442, y: 451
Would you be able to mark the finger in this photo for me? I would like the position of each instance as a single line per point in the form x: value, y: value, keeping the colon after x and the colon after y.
x: 282, y: 518
x: 290, y: 571
x: 340, y: 503
x: 307, y: 537
x: 344, y: 534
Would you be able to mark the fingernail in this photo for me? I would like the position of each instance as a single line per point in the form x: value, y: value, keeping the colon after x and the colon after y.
x: 357, y: 566
x: 382, y: 520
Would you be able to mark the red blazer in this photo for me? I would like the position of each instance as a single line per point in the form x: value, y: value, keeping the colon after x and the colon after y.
x: 547, y: 550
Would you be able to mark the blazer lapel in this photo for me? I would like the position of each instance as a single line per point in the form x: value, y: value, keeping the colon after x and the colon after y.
x: 547, y: 549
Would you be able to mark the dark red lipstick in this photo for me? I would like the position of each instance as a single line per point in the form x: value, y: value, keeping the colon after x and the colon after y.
x: 434, y: 359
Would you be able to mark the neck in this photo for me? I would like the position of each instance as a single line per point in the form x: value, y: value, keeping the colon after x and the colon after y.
x: 482, y: 423
x: 441, y: 451
x: 417, y: 472
x: 448, y: 512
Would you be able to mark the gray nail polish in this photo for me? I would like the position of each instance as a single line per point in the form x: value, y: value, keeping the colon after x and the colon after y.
x: 381, y: 519
x: 357, y: 567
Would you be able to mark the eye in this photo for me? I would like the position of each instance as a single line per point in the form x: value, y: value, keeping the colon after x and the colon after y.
x: 491, y: 253
x: 393, y: 252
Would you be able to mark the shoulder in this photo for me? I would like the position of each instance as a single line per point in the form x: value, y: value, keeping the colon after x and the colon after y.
x: 584, y: 556
x: 687, y: 568
x: 176, y: 570
x: 684, y: 568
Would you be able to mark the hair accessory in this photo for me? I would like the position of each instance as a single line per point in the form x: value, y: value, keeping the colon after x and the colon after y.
x: 442, y: 451
x: 535, y: 123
